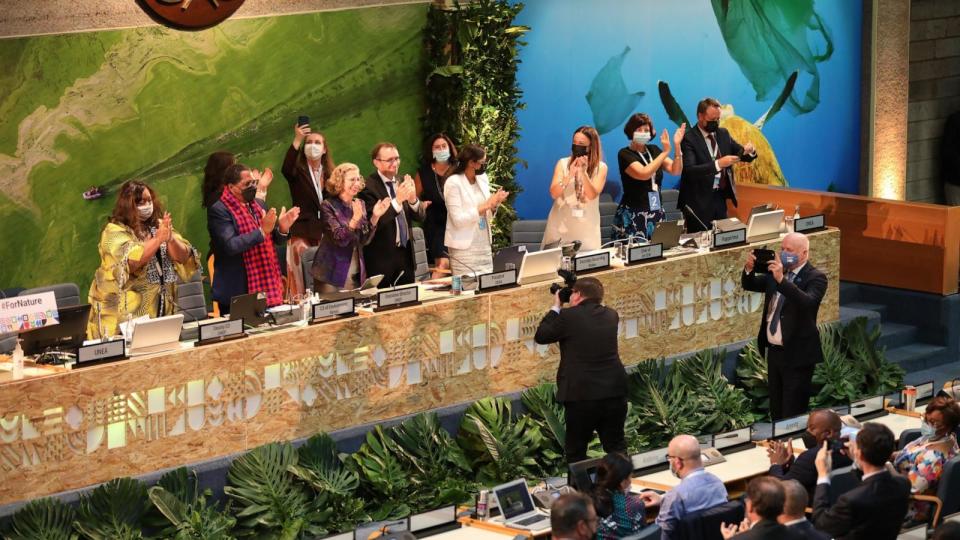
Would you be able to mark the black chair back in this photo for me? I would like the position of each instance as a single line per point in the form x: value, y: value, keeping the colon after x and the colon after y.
x: 907, y: 437
x: 705, y: 524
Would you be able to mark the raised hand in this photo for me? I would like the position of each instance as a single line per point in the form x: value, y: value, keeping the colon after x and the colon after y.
x: 775, y: 267
x: 299, y: 134
x: 729, y: 530
x: 749, y: 149
x: 266, y: 178
x: 357, y: 206
x: 501, y: 195
x: 411, y: 189
x: 751, y: 260
x: 824, y: 461
x: 665, y: 140
x: 381, y: 207
x: 287, y: 217
x: 268, y: 221
x: 678, y: 135
x: 727, y: 161
x: 165, y: 230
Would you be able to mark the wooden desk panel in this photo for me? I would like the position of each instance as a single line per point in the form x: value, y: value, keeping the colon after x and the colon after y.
x: 68, y: 430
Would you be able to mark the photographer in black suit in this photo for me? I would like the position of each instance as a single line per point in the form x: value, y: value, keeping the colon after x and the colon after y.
x: 875, y: 509
x: 792, y: 289
x: 591, y: 381
x: 709, y: 153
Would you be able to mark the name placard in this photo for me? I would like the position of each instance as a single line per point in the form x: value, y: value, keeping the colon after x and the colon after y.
x: 644, y: 254
x: 217, y: 331
x: 790, y: 425
x: 731, y: 438
x: 651, y: 458
x: 97, y: 352
x: 925, y: 390
x: 497, y: 280
x: 399, y: 297
x: 723, y: 240
x: 592, y: 262
x: 809, y: 223
x: 338, y: 309
x: 867, y: 406
x: 433, y: 518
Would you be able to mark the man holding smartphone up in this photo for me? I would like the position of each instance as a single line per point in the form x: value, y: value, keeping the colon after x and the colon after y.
x: 788, y: 336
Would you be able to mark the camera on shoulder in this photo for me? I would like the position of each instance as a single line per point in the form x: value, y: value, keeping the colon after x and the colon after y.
x: 569, y: 278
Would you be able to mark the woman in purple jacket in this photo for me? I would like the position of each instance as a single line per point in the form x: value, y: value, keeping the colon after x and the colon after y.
x: 346, y: 229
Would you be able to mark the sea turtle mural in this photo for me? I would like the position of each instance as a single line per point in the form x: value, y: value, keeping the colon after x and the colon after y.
x: 763, y: 170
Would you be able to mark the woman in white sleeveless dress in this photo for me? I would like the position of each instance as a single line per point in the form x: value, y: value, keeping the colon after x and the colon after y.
x: 577, y: 183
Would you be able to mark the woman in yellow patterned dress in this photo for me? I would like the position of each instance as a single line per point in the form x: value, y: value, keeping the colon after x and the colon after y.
x: 141, y: 257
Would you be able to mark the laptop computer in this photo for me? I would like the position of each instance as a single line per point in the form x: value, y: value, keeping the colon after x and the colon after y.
x: 539, y: 266
x: 251, y: 308
x: 68, y: 334
x: 156, y: 335
x: 516, y: 506
x: 667, y: 233
x: 761, y: 208
x: 508, y: 255
x: 764, y: 226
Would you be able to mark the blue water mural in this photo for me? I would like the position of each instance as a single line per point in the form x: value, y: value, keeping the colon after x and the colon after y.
x: 587, y: 62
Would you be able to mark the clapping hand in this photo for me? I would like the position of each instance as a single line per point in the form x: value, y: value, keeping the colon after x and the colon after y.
x: 381, y: 207
x: 665, y: 140
x: 731, y: 530
x: 779, y: 452
x: 287, y: 217
x: 268, y: 221
x: 749, y: 149
x: 165, y: 230
x: 727, y: 161
x: 409, y: 190
x: 358, y: 210
x: 579, y: 164
x: 678, y: 135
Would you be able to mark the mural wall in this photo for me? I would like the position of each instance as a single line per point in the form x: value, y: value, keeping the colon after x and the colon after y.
x: 98, y: 108
x: 599, y: 65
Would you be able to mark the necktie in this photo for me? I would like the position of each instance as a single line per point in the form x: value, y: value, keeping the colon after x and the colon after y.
x: 723, y: 172
x: 775, y: 321
x: 401, y: 221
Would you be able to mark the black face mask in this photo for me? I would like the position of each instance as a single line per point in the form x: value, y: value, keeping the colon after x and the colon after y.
x: 809, y: 440
x: 249, y: 193
x: 712, y: 126
x: 578, y: 150
x: 481, y: 169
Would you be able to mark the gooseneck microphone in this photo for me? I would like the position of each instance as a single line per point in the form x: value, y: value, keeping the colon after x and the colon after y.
x: 694, y: 214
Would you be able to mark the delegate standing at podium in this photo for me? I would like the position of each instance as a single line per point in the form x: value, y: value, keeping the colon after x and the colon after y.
x: 578, y: 180
x: 788, y: 336
x: 709, y: 153
x: 346, y: 229
x: 141, y: 259
x: 470, y: 211
x: 641, y: 173
x: 306, y: 166
x: 243, y: 233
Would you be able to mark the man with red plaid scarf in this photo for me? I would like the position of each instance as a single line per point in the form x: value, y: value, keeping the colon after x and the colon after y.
x: 243, y: 234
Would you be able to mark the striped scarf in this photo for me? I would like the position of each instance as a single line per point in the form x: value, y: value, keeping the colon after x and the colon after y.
x: 260, y: 261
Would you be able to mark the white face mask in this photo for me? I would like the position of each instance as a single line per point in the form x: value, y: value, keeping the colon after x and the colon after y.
x: 314, y: 151
x: 641, y: 137
x: 145, y: 211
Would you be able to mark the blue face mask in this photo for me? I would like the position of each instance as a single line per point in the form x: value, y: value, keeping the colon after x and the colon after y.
x: 926, y: 430
x: 789, y: 260
x: 441, y: 156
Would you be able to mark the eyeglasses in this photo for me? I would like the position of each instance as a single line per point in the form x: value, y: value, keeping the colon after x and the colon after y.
x: 937, y: 426
x: 674, y: 457
x: 391, y: 160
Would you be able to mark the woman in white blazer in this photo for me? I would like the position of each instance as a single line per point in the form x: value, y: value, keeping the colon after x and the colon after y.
x: 470, y: 211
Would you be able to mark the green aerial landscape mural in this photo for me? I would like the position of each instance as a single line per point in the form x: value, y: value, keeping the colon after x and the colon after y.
x: 96, y: 109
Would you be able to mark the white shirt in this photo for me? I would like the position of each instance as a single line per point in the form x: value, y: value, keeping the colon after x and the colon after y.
x: 777, y: 337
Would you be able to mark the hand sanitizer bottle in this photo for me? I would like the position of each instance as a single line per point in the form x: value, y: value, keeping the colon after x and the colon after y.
x: 18, y: 362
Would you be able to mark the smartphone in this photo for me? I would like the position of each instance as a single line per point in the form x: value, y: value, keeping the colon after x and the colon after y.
x: 303, y: 120
x: 763, y: 256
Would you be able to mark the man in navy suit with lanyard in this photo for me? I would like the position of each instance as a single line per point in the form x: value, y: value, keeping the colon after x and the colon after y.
x: 792, y: 289
x: 709, y: 153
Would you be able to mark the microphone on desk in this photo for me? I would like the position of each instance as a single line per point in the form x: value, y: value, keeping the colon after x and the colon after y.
x: 400, y: 275
x: 474, y: 272
x: 694, y: 214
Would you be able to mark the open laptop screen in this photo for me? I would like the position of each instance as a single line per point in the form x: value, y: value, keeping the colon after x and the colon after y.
x: 513, y: 499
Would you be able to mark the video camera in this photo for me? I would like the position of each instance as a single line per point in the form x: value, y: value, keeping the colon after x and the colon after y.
x: 569, y: 278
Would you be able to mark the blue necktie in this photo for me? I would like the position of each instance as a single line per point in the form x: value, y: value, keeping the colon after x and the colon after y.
x: 775, y: 321
x: 400, y: 219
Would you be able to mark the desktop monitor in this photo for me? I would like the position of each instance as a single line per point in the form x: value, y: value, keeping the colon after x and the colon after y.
x: 68, y: 334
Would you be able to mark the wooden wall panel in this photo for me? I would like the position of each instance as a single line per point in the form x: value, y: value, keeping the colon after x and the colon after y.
x: 68, y: 430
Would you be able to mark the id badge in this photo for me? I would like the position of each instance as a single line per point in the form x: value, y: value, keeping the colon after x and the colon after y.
x: 716, y: 181
x: 578, y: 213
x: 654, y: 198
x: 483, y: 224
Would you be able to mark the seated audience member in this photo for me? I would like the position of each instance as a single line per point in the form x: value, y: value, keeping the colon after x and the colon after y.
x: 345, y: 230
x: 923, y: 459
x: 439, y: 159
x: 698, y: 489
x: 470, y: 211
x: 621, y: 513
x: 572, y: 517
x: 141, y: 258
x: 307, y: 166
x: 391, y: 251
x: 823, y: 425
x: 242, y: 233
x: 765, y: 499
x: 875, y: 509
x: 794, y: 512
x: 949, y: 530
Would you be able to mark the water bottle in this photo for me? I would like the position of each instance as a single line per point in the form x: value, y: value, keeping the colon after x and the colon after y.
x: 306, y: 305
x: 17, y: 361
x: 482, y: 504
x: 456, y: 285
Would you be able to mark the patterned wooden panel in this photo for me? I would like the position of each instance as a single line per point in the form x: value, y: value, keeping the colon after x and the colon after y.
x: 73, y: 429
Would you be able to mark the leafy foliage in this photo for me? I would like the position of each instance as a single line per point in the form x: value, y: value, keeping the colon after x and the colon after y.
x: 335, y: 485
x: 854, y: 365
x: 549, y: 415
x: 500, y: 447
x: 113, y: 511
x: 880, y: 376
x: 662, y: 405
x: 720, y: 405
x: 43, y: 519
x: 752, y: 377
x: 472, y: 90
x: 194, y: 520
x: 271, y: 503
x: 838, y: 378
x: 383, y: 479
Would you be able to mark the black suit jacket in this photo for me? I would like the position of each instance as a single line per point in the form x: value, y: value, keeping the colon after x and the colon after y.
x: 798, y: 318
x: 304, y: 195
x: 696, y: 181
x: 590, y: 366
x: 768, y: 529
x: 874, y: 510
x: 803, y: 469
x: 807, y: 531
x: 381, y: 253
